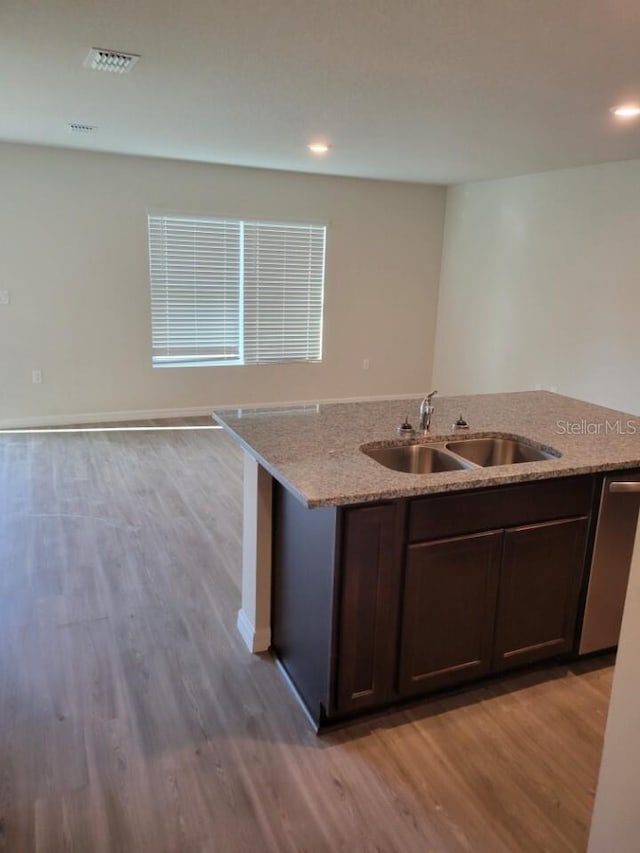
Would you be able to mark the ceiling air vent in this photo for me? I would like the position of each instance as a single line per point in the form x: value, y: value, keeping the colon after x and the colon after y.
x: 99, y: 59
x: 74, y: 127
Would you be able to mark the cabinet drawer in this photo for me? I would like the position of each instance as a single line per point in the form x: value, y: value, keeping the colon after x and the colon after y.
x: 492, y: 508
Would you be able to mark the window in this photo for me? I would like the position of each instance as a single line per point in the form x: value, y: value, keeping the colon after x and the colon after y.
x: 229, y: 291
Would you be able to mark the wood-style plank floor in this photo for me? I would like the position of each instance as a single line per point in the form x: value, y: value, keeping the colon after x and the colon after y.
x: 133, y: 719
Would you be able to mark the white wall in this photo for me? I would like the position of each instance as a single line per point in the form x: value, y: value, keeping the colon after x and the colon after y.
x: 74, y: 258
x: 540, y: 284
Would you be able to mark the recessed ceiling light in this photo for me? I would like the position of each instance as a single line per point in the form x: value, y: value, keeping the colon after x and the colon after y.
x: 626, y: 111
x: 318, y: 147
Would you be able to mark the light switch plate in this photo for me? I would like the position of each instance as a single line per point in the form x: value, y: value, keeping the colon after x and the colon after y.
x: 4, y: 297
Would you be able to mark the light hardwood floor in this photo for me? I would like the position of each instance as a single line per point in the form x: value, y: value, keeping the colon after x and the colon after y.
x: 133, y: 719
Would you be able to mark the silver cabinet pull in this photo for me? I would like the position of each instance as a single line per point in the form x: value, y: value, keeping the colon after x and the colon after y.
x: 620, y: 486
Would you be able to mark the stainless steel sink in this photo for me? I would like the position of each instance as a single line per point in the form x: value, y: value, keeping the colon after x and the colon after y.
x: 486, y: 452
x: 458, y: 454
x: 416, y: 459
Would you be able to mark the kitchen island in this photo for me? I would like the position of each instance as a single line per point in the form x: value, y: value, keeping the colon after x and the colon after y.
x: 373, y: 585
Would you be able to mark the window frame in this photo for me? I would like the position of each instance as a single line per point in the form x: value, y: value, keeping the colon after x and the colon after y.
x: 192, y: 360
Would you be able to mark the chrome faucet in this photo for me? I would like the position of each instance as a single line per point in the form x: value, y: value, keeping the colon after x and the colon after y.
x: 426, y: 410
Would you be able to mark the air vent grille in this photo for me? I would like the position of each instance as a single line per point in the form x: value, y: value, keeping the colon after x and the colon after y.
x: 74, y: 127
x: 99, y: 59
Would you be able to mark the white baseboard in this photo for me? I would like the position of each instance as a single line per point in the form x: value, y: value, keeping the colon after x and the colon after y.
x: 102, y: 417
x: 255, y: 640
x: 315, y: 401
x: 148, y: 414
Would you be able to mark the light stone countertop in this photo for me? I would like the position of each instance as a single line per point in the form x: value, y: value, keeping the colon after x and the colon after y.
x: 314, y: 450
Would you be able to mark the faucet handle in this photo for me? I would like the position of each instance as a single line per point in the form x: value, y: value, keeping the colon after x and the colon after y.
x: 429, y: 396
x: 460, y: 423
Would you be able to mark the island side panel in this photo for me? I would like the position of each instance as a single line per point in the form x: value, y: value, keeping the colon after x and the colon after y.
x: 254, y: 617
x: 302, y: 596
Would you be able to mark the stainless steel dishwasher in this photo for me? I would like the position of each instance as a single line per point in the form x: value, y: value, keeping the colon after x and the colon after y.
x: 611, y: 561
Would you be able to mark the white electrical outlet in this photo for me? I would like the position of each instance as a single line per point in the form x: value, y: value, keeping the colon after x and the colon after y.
x: 4, y: 297
x: 365, y: 364
x: 36, y: 376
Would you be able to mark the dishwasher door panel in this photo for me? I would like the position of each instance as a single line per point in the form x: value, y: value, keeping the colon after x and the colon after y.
x: 611, y: 562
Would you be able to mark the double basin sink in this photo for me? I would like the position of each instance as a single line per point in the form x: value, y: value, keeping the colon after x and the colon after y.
x: 459, y: 454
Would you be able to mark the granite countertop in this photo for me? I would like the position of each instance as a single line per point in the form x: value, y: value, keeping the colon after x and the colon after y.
x: 314, y: 450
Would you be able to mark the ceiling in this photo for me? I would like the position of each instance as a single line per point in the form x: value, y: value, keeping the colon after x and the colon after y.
x: 417, y: 90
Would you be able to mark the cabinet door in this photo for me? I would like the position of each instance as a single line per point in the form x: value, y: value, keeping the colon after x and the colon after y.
x: 367, y: 630
x: 539, y: 588
x: 448, y: 613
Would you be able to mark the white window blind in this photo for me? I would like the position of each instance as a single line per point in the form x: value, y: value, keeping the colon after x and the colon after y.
x: 283, y: 284
x: 195, y: 290
x: 226, y: 291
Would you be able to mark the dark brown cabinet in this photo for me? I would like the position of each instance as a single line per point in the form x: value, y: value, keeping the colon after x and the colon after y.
x: 542, y: 569
x: 368, y: 608
x: 385, y: 601
x: 489, y: 601
x: 448, y: 611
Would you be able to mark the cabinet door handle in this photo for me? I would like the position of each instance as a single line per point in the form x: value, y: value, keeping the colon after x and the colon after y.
x: 625, y: 487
